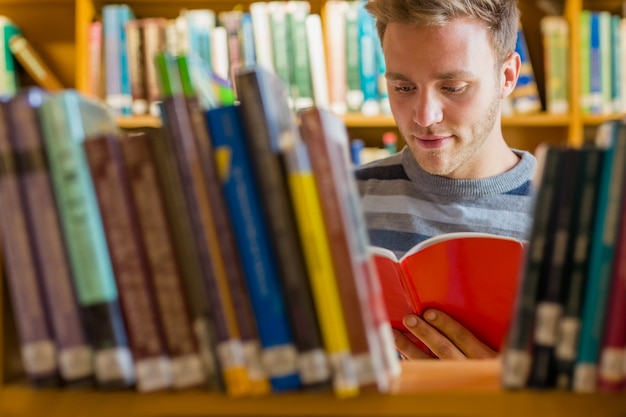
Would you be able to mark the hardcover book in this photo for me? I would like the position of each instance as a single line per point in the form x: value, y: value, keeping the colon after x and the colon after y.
x: 473, y: 277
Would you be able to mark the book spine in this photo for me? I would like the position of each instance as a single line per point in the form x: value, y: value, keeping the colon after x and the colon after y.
x: 335, y: 43
x: 74, y: 350
x: 611, y: 189
x: 301, y: 83
x: 225, y: 240
x: 32, y: 62
x: 575, y: 268
x: 357, y: 324
x: 525, y: 97
x: 262, y: 35
x: 37, y: 346
x: 187, y: 254
x: 8, y: 72
x: 368, y: 62
x: 354, y: 95
x: 136, y: 66
x: 555, y: 36
x: 181, y: 135
x: 125, y: 15
x: 280, y: 41
x: 84, y: 236
x: 517, y: 360
x: 265, y: 114
x: 129, y: 262
x: 112, y: 58
x: 317, y: 58
x: 550, y: 300
x: 315, y: 243
x: 94, y: 60
x: 153, y: 42
x: 173, y: 311
x: 253, y: 240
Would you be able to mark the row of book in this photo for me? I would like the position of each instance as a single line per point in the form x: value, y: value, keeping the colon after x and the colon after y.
x: 226, y: 248
x: 568, y: 330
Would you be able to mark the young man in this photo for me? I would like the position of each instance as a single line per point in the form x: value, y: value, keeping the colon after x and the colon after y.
x: 449, y: 64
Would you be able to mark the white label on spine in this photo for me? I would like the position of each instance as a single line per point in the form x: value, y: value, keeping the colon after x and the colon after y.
x: 344, y: 372
x: 611, y: 364
x: 585, y: 378
x: 39, y: 357
x: 568, y: 339
x: 280, y: 360
x: 365, y: 372
x: 516, y: 369
x: 187, y: 371
x: 76, y: 362
x: 252, y: 352
x: 113, y: 365
x: 548, y: 315
x: 153, y: 374
x: 313, y: 367
x: 230, y: 354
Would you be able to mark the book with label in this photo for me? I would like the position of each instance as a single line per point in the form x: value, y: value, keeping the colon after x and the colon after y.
x: 36, y: 340
x: 74, y: 350
x: 473, y: 277
x: 64, y: 124
x: 252, y: 236
x: 266, y: 119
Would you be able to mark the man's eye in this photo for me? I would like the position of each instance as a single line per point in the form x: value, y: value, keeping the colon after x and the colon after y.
x: 404, y: 89
x: 454, y: 89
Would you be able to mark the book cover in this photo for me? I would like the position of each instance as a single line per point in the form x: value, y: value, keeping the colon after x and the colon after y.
x: 48, y: 246
x: 66, y: 118
x: 472, y: 277
x: 525, y: 97
x: 164, y: 270
x: 8, y: 73
x: 266, y: 118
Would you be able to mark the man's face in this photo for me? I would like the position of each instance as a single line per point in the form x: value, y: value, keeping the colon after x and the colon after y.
x: 445, y: 92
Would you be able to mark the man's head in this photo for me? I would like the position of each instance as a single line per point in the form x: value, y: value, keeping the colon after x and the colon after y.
x: 449, y: 64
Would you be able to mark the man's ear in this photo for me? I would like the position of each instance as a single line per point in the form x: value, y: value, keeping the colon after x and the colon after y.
x: 510, y: 73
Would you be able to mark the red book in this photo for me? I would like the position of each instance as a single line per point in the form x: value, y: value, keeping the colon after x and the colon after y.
x: 473, y: 277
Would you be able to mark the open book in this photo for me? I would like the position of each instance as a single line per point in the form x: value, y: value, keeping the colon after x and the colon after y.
x: 473, y: 277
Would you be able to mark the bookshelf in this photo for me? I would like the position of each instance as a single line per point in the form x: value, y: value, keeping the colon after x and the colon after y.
x: 426, y: 388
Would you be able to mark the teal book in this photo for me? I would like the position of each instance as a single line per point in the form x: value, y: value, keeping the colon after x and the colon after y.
x: 612, y: 136
x: 67, y: 119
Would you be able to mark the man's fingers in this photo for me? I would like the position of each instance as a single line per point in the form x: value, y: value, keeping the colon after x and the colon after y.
x: 408, y: 348
x: 432, y: 338
x: 462, y: 338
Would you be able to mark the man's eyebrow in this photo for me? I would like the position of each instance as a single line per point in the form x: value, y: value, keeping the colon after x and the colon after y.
x: 452, y: 75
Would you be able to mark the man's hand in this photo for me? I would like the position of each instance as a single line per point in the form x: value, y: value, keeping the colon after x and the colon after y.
x: 443, y: 335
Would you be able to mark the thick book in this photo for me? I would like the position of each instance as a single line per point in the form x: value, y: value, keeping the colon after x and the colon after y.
x: 74, y: 350
x: 66, y: 119
x: 172, y: 305
x: 36, y: 341
x: 473, y: 277
x: 266, y: 117
x: 129, y: 261
x: 253, y: 240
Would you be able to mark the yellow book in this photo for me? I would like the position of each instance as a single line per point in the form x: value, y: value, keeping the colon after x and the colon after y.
x: 307, y: 209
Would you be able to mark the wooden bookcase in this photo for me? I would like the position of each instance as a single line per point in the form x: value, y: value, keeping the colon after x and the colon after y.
x: 57, y: 29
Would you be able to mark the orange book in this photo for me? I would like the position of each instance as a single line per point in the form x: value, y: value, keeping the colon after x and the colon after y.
x: 32, y: 62
x: 473, y: 277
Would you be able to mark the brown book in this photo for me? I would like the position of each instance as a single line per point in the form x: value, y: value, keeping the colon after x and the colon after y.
x: 187, y: 253
x: 136, y: 66
x: 48, y: 246
x: 32, y: 62
x: 322, y: 133
x: 164, y: 271
x: 37, y: 346
x: 128, y: 258
x: 153, y: 42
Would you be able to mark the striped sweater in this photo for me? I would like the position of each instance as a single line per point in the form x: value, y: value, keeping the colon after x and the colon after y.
x: 404, y: 205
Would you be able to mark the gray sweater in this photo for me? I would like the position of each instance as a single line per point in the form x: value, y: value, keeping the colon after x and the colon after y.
x: 405, y: 205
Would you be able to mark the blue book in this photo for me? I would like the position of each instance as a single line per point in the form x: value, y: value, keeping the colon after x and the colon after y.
x: 612, y: 135
x: 255, y: 247
x: 368, y: 62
